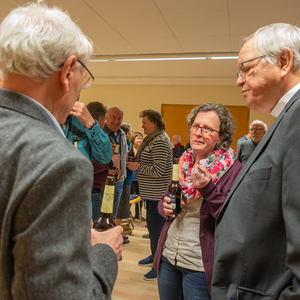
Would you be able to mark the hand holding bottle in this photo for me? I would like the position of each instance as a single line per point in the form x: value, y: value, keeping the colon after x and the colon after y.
x: 114, y: 171
x: 168, y: 208
x: 112, y: 238
x: 133, y: 166
x: 116, y: 158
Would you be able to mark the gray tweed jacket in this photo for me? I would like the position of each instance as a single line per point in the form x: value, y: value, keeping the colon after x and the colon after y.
x: 45, y: 189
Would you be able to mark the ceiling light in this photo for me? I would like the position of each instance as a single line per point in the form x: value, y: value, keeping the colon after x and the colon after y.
x: 163, y: 57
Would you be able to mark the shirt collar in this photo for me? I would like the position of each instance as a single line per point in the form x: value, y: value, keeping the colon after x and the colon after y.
x: 111, y: 132
x: 284, y: 100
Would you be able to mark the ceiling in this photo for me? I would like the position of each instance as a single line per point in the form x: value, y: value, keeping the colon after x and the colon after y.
x: 169, y: 28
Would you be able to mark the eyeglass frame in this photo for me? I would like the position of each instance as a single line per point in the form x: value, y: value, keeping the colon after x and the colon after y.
x: 211, y: 130
x: 243, y: 68
x: 256, y: 129
x: 92, y: 78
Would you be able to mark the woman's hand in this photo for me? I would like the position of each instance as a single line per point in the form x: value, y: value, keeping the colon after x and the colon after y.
x: 168, y: 209
x: 200, y: 177
x: 133, y: 166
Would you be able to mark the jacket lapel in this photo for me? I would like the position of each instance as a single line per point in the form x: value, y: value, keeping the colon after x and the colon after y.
x: 258, y: 150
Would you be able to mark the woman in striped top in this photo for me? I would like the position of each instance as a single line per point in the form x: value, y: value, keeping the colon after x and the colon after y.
x: 154, y: 165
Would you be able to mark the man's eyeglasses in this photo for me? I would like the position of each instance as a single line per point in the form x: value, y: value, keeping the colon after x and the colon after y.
x: 88, y: 79
x: 206, y: 131
x: 256, y: 129
x: 242, y: 72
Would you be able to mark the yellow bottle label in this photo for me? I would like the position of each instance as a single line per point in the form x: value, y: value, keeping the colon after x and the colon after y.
x: 108, y: 199
x: 75, y: 144
x: 175, y: 175
x: 117, y: 148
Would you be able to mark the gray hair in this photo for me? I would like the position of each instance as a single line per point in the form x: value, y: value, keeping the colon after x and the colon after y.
x: 227, y: 124
x: 273, y: 39
x: 261, y: 123
x: 126, y: 127
x: 178, y: 137
x: 36, y: 39
x: 154, y: 117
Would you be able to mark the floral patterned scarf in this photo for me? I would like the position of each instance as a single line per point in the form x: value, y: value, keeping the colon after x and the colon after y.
x: 217, y: 164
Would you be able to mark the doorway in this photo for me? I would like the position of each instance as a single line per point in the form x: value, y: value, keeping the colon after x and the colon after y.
x: 175, y: 115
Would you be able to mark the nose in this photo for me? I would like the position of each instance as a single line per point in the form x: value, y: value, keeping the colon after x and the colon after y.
x: 240, y: 81
x: 199, y: 131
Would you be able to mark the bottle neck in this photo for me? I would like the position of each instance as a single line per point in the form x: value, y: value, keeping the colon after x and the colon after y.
x: 105, y: 215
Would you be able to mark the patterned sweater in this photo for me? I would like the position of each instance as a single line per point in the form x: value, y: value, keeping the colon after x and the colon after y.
x: 155, y: 168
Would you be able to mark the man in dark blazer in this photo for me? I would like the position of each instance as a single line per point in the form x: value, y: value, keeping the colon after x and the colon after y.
x: 47, y: 248
x: 257, y: 243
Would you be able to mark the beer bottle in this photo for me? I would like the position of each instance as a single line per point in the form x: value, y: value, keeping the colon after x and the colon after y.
x: 131, y: 153
x: 105, y: 220
x: 175, y: 189
x: 74, y: 141
x: 117, y: 152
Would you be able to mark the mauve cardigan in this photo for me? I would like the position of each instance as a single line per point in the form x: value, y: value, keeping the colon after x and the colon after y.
x: 214, y: 196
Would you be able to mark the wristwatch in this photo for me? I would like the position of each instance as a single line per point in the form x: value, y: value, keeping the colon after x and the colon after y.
x: 94, y: 124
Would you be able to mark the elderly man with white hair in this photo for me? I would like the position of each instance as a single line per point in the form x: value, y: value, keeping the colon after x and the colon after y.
x: 47, y: 248
x: 257, y: 131
x: 257, y: 237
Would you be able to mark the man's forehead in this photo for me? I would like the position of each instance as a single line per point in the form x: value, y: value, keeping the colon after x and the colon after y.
x: 247, y: 51
x: 115, y: 113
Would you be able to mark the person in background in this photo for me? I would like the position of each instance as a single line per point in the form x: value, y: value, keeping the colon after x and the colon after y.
x: 136, y: 139
x: 177, y: 148
x: 112, y: 126
x: 47, y: 250
x: 257, y: 240
x: 184, y: 255
x: 154, y: 165
x: 124, y: 206
x: 246, y: 137
x: 91, y: 139
x: 98, y: 111
x: 257, y: 131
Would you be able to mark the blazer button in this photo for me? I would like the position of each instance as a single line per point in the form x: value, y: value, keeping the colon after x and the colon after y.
x: 202, y: 236
x: 205, y: 260
x: 202, y: 212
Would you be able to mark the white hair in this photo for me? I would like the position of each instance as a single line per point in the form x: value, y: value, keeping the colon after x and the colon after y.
x: 273, y: 39
x: 261, y: 123
x: 178, y: 137
x: 36, y: 39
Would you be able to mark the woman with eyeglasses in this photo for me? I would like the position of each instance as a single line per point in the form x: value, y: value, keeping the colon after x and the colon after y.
x: 207, y: 171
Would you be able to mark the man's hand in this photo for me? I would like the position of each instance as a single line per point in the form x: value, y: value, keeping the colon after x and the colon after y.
x: 80, y: 111
x: 111, y: 237
x: 116, y: 158
x: 114, y: 171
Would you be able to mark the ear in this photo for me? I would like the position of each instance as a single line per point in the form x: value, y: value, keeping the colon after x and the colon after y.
x: 221, y: 138
x: 286, y: 60
x: 67, y: 72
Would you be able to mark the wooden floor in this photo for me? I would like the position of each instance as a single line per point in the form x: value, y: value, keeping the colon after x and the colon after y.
x: 130, y: 284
